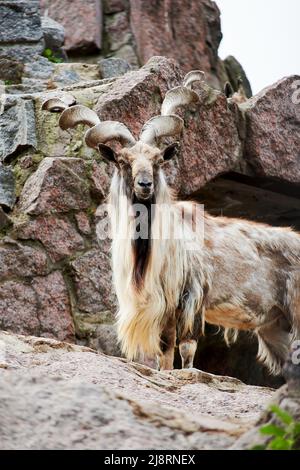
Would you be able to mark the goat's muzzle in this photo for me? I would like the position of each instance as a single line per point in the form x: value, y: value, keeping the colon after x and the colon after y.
x: 143, y: 188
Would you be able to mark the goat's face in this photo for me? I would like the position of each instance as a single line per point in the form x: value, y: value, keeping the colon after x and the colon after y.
x: 139, y: 166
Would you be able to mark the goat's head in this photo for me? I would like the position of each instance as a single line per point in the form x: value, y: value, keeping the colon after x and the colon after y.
x: 138, y: 161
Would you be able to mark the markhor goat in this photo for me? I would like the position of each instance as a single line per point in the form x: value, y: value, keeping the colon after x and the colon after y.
x: 236, y: 274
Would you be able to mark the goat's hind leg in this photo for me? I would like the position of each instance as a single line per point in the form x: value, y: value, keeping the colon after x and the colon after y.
x: 167, y: 345
x: 188, y: 344
x: 273, y: 343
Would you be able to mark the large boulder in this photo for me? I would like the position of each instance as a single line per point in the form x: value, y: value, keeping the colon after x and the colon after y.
x: 187, y: 31
x: 55, y: 395
x: 82, y: 21
x: 273, y: 131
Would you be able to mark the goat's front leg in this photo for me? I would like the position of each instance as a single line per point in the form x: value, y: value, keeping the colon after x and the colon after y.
x: 167, y: 345
x: 188, y: 344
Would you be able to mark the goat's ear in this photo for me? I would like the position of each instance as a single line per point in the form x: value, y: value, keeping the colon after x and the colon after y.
x: 107, y: 153
x: 171, y: 151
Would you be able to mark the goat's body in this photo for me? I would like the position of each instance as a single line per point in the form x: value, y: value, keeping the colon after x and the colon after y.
x: 244, y: 276
x: 255, y: 283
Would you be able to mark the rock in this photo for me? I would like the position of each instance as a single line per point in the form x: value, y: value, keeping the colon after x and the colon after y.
x: 93, y: 282
x: 82, y: 22
x: 118, y: 30
x: 73, y: 73
x: 100, y: 178
x: 11, y: 70
x: 273, y: 131
x: 21, y: 35
x: 38, y: 71
x: 83, y: 223
x: 18, y: 307
x: 7, y: 187
x: 211, y: 144
x: 54, y: 36
x: 22, y: 21
x: 235, y: 72
x: 105, y: 339
x: 17, y: 260
x: 113, y: 67
x: 188, y: 31
x: 57, y: 234
x: 287, y: 398
x: 127, y: 53
x: 41, y: 74
x: 41, y: 307
x: 42, y: 390
x: 17, y: 126
x: 54, y: 307
x: 58, y: 185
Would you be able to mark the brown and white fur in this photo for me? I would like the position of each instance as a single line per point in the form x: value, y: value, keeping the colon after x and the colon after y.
x: 246, y: 276
x: 239, y: 275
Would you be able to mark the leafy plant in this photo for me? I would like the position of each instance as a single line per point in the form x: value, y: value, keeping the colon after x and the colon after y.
x: 284, y: 436
x: 49, y: 54
x: 8, y: 82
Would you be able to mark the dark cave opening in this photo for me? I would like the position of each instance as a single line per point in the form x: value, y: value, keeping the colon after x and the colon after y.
x: 261, y: 200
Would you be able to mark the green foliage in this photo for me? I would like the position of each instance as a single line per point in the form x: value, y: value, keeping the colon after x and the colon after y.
x: 284, y: 436
x: 49, y: 54
x: 8, y: 82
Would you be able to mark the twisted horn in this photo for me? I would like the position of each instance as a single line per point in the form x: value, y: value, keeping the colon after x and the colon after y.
x: 109, y: 130
x: 179, y: 96
x: 193, y: 76
x: 78, y: 114
x: 161, y: 126
x: 57, y: 104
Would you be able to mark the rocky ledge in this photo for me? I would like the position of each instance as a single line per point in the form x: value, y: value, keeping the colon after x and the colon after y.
x: 55, y: 395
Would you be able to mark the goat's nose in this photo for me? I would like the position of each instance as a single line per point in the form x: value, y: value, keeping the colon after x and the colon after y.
x: 145, y: 183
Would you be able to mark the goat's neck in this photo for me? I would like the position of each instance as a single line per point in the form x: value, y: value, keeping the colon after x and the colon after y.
x: 135, y: 254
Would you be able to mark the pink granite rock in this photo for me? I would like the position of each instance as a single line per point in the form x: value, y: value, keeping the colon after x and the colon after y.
x: 93, y: 281
x: 54, y: 309
x: 82, y: 21
x: 185, y: 30
x: 17, y: 260
x: 58, y: 185
x: 57, y: 234
x: 39, y: 307
x: 273, y: 131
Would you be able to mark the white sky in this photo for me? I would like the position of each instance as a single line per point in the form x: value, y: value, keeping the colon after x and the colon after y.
x: 264, y: 36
